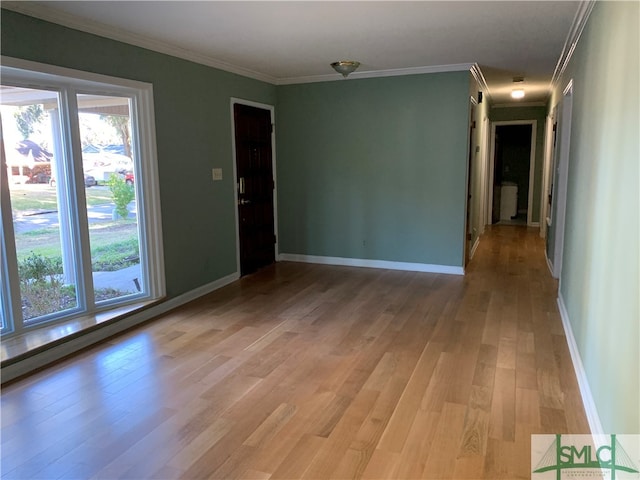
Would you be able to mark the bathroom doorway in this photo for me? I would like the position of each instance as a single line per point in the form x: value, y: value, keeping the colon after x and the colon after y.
x: 513, y: 147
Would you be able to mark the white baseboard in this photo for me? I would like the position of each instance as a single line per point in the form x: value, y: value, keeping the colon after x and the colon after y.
x: 585, y: 391
x: 533, y: 224
x: 549, y: 264
x: 474, y: 248
x: 197, y: 293
x: 383, y: 264
x: 64, y: 349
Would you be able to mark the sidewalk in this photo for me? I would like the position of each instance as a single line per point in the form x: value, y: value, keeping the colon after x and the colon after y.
x: 122, y: 280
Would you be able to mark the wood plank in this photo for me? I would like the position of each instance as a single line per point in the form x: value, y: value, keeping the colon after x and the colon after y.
x: 476, y: 423
x: 444, y: 450
x: 417, y: 446
x: 295, y: 464
x: 195, y: 448
x: 337, y: 444
x: 397, y: 430
x: 270, y: 456
x: 382, y: 464
x: 502, y: 424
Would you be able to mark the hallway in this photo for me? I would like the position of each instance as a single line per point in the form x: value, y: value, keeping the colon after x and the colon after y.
x: 313, y: 371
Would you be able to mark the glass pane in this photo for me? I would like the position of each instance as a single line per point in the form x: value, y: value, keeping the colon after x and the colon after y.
x: 46, y: 265
x: 4, y: 293
x: 107, y: 159
x: 3, y: 321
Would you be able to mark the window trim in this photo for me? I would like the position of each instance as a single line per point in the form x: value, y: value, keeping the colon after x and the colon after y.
x: 36, y: 75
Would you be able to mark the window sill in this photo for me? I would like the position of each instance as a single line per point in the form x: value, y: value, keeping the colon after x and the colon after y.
x: 36, y: 340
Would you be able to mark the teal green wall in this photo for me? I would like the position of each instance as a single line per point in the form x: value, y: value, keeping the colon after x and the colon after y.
x: 374, y: 168
x: 193, y: 129
x: 600, y: 270
x: 503, y: 114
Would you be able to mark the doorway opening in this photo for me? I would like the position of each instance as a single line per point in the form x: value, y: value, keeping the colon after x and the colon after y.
x: 513, y: 166
x: 255, y: 185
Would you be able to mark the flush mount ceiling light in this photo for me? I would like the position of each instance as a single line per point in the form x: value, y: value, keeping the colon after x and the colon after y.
x: 345, y: 67
x: 517, y: 92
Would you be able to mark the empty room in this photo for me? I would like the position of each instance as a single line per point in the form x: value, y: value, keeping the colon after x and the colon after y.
x: 282, y: 240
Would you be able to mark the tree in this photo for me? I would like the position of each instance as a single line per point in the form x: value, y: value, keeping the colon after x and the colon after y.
x: 27, y: 117
x: 121, y: 124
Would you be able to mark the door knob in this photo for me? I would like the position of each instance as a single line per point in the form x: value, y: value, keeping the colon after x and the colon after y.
x: 244, y: 202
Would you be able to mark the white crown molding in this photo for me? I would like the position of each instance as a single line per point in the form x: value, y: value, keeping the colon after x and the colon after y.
x: 96, y: 28
x: 577, y: 26
x: 396, y: 72
x: 113, y: 33
x: 477, y: 74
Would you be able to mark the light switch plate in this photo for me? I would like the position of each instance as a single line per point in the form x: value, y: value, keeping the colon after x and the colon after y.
x: 217, y: 174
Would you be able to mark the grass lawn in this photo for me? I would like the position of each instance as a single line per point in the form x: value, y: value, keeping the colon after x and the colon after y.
x: 114, y: 245
x: 28, y: 198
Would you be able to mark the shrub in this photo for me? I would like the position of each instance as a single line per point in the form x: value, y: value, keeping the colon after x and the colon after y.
x: 41, y: 285
x: 37, y: 268
x: 122, y: 192
x: 42, y: 288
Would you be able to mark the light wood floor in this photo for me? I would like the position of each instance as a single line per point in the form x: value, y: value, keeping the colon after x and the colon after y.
x: 307, y: 371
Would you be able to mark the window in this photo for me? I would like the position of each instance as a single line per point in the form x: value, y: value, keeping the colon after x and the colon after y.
x: 81, y: 230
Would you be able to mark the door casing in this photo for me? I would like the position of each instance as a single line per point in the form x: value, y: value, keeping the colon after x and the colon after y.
x: 532, y: 167
x: 557, y: 216
x: 271, y: 110
x: 549, y: 148
x: 468, y: 230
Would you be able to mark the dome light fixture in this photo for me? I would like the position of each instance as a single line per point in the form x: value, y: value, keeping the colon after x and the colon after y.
x: 518, y: 92
x: 345, y: 67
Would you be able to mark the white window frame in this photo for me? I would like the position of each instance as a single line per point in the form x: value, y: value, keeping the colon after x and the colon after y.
x: 69, y: 83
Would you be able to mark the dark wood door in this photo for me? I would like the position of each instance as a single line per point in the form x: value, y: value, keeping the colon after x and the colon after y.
x: 255, y: 187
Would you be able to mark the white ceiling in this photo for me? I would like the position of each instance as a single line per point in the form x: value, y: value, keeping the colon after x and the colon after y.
x: 287, y: 42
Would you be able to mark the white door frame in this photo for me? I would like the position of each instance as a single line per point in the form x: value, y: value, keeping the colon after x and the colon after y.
x: 271, y: 109
x: 532, y: 166
x: 484, y: 221
x: 547, y: 171
x: 561, y: 174
x: 469, y: 220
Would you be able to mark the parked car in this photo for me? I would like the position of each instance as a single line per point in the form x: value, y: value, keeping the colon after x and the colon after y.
x: 89, y: 181
x: 41, y: 177
x: 128, y: 177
